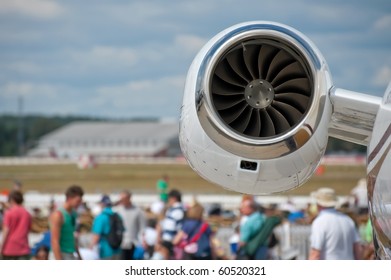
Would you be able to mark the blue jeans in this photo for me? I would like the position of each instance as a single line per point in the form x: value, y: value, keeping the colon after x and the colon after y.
x: 261, y: 253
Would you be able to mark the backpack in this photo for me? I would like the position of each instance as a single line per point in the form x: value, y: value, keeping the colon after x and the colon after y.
x: 262, y: 238
x: 114, y: 237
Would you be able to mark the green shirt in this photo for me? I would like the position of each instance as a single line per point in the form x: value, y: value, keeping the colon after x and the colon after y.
x: 251, y: 227
x: 67, y: 238
x: 162, y: 187
x: 368, y: 231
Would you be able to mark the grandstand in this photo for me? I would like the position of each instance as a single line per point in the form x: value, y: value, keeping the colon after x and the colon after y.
x: 103, y: 139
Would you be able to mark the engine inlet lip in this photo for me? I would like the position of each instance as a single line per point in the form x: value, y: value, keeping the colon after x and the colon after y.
x: 267, y: 147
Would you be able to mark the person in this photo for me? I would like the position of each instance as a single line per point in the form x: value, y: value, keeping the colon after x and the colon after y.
x: 333, y: 234
x: 360, y: 195
x: 368, y: 246
x: 150, y: 237
x: 17, y: 186
x: 162, y: 187
x: 63, y: 226
x: 16, y: 227
x: 173, y: 219
x: 42, y: 253
x: 162, y: 251
x: 43, y: 242
x: 243, y: 216
x: 249, y: 229
x: 1, y: 217
x: 100, y: 230
x: 234, y: 241
x: 195, y: 230
x: 134, y: 224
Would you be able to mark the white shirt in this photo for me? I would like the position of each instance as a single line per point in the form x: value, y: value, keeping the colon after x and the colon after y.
x: 334, y: 234
x: 150, y: 236
x: 172, y: 221
x: 360, y: 192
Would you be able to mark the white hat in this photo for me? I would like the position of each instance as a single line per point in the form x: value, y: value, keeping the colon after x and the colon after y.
x: 326, y: 197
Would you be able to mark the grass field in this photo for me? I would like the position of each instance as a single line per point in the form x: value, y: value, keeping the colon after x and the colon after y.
x: 141, y: 178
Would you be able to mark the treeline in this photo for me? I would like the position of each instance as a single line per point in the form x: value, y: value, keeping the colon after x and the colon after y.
x: 19, y: 135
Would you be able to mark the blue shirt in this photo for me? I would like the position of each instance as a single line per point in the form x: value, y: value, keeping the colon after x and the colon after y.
x: 251, y: 226
x: 191, y: 227
x: 101, y: 227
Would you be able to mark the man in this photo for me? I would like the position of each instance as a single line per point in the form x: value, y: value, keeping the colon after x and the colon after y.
x: 333, y: 234
x: 360, y: 195
x: 173, y: 218
x: 63, y: 226
x: 162, y: 186
x: 16, y: 227
x: 134, y: 223
x: 101, y: 229
x: 250, y: 227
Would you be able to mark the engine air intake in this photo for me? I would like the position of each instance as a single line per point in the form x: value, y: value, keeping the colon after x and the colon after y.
x: 261, y: 88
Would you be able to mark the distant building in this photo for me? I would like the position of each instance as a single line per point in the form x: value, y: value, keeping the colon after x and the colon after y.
x: 110, y: 139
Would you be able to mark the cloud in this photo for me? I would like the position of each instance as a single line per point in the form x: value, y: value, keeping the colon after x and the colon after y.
x: 129, y: 58
x: 42, y: 9
x: 189, y: 43
x: 382, y: 77
x: 28, y: 90
x: 24, y: 68
x: 109, y: 54
x: 157, y: 97
x: 383, y: 23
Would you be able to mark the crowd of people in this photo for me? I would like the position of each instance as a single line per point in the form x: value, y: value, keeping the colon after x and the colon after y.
x: 172, y: 230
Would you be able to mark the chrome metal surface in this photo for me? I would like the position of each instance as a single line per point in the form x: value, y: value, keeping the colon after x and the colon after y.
x: 353, y: 115
x: 379, y: 178
x: 233, y: 117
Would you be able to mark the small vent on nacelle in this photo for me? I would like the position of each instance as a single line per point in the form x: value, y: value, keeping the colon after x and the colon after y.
x: 261, y: 88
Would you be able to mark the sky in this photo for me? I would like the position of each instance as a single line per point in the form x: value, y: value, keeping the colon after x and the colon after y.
x: 129, y: 59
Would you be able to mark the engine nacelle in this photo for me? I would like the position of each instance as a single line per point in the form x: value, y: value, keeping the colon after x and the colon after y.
x: 256, y: 109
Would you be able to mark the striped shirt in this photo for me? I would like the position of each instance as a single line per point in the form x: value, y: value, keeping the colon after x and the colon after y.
x: 172, y: 222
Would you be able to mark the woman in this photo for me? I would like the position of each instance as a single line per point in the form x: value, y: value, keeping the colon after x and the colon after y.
x: 195, y: 235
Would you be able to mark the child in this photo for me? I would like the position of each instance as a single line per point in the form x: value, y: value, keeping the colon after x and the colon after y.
x: 150, y: 237
x: 42, y: 253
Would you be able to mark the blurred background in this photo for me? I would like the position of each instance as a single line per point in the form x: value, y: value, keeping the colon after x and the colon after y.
x: 90, y: 91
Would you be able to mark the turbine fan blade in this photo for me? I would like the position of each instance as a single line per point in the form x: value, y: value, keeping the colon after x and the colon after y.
x: 296, y: 100
x: 279, y: 62
x: 266, y: 55
x: 254, y: 126
x: 268, y: 128
x: 241, y: 123
x: 250, y: 54
x: 281, y: 124
x: 225, y: 102
x: 289, y: 72
x: 225, y: 72
x: 291, y: 114
x: 242, y: 103
x: 231, y: 114
x: 236, y: 61
x: 221, y: 87
x: 299, y: 85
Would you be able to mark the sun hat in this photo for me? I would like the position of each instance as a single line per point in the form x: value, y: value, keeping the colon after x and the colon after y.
x: 326, y: 197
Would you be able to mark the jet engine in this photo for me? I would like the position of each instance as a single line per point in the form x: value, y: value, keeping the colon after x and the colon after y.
x: 256, y: 109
